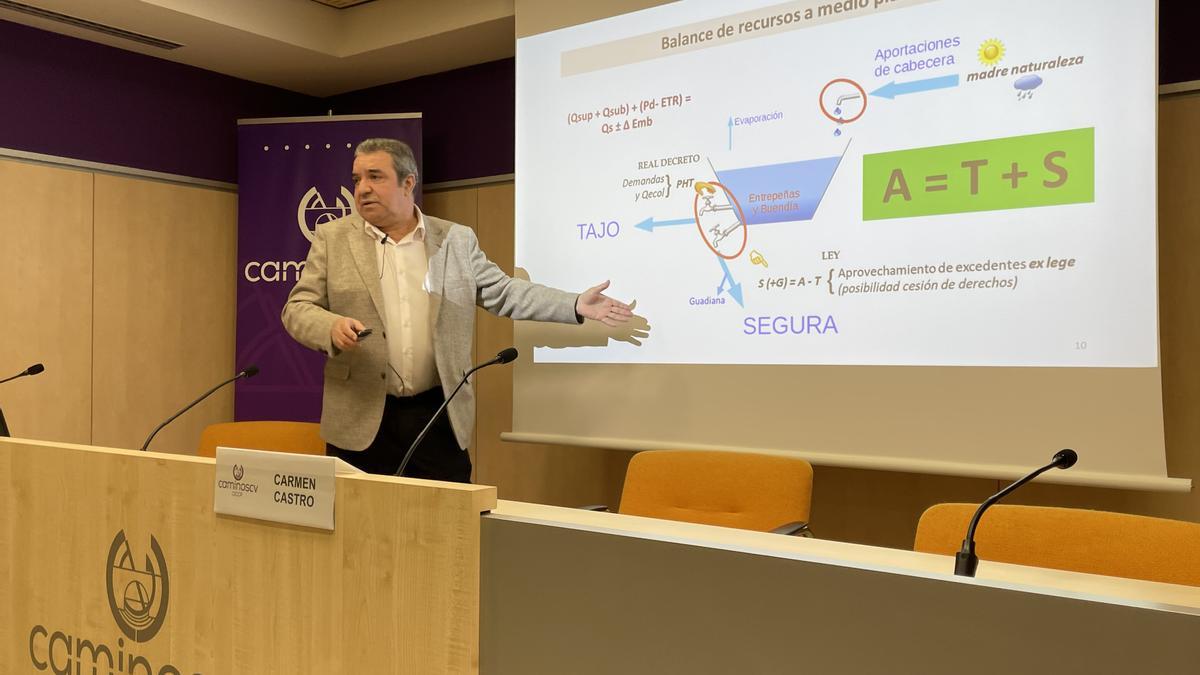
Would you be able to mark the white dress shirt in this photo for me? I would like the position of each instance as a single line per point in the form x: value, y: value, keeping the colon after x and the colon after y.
x: 407, y: 323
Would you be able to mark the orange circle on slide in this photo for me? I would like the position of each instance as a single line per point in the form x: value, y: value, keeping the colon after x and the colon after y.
x: 839, y: 120
x: 741, y: 218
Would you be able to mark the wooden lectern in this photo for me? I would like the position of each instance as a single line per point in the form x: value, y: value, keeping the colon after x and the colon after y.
x: 113, y: 562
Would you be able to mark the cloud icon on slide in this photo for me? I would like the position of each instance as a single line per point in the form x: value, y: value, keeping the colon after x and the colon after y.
x: 1026, y: 84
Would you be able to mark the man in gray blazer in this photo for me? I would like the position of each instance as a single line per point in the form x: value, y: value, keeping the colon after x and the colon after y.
x: 413, y: 281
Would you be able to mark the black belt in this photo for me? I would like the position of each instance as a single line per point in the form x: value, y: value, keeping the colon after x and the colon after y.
x: 425, y: 397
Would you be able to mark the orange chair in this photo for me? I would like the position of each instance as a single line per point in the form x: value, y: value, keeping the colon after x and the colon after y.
x: 1079, y: 540
x: 731, y: 489
x: 299, y: 437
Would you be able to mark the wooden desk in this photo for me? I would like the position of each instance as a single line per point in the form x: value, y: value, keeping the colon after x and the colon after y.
x: 393, y: 589
x: 569, y: 591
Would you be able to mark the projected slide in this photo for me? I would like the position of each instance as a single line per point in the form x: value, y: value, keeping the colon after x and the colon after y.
x: 865, y: 182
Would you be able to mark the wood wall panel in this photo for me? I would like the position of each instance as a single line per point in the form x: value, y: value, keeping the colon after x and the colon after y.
x: 1179, y: 323
x: 459, y: 206
x: 165, y: 303
x: 46, y: 299
x: 492, y: 333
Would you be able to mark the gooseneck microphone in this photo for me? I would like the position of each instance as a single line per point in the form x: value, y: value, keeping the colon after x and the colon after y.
x: 965, y: 561
x: 247, y: 372
x: 505, y: 356
x: 31, y: 370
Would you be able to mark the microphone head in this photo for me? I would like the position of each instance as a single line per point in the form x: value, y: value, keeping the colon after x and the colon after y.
x: 250, y: 371
x: 1065, y: 458
x: 508, y: 355
x: 34, y: 369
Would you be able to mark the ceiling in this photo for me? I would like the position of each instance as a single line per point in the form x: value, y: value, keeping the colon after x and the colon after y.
x: 301, y: 45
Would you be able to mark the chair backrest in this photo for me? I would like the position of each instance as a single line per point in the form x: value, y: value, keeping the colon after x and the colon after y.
x: 1080, y: 540
x: 299, y: 437
x: 732, y: 489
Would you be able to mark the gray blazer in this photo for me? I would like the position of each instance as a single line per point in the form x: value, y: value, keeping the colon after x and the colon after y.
x: 341, y: 279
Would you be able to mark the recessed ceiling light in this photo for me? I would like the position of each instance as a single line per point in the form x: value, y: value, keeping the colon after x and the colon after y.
x: 342, y: 4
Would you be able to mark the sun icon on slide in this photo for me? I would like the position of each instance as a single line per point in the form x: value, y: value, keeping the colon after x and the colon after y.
x: 991, y: 51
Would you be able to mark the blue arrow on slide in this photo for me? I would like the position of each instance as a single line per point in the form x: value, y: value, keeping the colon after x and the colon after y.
x: 650, y: 223
x: 892, y: 89
x: 735, y: 289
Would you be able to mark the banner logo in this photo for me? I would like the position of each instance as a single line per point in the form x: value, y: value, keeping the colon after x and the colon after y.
x: 313, y: 210
x: 137, y: 597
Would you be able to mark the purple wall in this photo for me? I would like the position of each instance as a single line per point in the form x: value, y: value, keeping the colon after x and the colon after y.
x: 469, y: 122
x: 79, y: 99
x: 1177, y: 21
x: 73, y: 98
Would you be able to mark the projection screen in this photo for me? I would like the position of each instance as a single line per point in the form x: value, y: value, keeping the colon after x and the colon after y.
x: 913, y: 235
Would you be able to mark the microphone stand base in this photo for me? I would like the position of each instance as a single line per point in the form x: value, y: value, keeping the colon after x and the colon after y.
x: 965, y: 564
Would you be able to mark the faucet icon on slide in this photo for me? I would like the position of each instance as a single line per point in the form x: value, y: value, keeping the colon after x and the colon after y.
x: 717, y: 232
x: 706, y: 192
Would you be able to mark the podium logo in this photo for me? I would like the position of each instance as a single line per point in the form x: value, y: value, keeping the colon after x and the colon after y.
x: 238, y: 471
x: 137, y: 592
x: 313, y: 210
x: 137, y: 596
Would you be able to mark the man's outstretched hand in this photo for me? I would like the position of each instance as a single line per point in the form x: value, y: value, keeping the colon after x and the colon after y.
x: 594, y: 304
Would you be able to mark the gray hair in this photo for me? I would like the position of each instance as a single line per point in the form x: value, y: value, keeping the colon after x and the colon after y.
x: 403, y: 159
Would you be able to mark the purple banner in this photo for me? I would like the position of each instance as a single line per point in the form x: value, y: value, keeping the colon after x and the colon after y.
x: 292, y: 175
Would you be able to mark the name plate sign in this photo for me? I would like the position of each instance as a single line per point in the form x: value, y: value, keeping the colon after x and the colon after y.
x: 277, y: 486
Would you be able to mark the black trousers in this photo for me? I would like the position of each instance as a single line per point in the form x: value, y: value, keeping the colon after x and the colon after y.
x: 439, y: 456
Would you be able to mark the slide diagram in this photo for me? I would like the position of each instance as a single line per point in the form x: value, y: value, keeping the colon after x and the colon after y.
x: 778, y: 193
x: 914, y: 182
